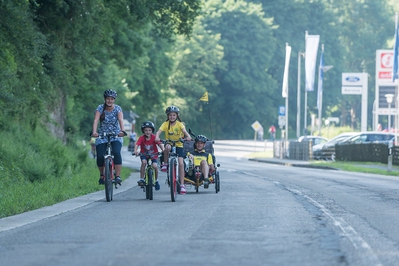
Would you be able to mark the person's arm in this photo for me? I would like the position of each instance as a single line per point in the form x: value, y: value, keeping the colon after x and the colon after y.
x: 95, y: 124
x: 121, y: 125
x: 157, y: 135
x: 188, y: 137
x: 210, y: 163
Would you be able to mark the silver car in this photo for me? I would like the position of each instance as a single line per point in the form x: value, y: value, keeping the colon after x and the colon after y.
x: 326, y: 151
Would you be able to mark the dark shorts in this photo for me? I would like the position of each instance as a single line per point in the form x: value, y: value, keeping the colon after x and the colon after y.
x: 180, y: 152
x: 154, y: 160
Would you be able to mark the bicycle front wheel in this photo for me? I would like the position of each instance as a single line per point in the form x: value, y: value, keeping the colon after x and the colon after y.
x: 172, y: 175
x: 217, y: 182
x: 150, y: 183
x: 108, y: 179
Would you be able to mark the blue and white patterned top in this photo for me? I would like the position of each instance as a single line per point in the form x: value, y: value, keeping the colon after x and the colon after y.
x: 110, y: 124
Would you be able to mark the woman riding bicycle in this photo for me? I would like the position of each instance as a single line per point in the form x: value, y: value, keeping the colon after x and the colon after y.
x: 174, y: 130
x: 110, y: 117
x: 148, y: 148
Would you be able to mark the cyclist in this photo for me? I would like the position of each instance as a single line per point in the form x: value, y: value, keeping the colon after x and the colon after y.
x: 132, y: 140
x: 110, y: 117
x: 202, y: 158
x: 93, y: 146
x: 174, y: 130
x: 148, y: 148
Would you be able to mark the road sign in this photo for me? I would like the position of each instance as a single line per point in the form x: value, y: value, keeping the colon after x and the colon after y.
x: 256, y: 126
x: 281, y: 120
x: 281, y: 110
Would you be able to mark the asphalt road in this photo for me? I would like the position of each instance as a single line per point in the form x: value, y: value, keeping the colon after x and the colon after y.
x: 265, y: 214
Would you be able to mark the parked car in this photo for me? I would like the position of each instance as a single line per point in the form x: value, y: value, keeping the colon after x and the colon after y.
x: 326, y: 151
x: 315, y: 139
x: 368, y: 137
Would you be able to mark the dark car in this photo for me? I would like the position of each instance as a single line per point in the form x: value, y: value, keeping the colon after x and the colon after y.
x: 369, y: 137
x: 326, y: 151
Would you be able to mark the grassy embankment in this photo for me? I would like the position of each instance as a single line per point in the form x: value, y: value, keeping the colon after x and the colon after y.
x: 39, y: 170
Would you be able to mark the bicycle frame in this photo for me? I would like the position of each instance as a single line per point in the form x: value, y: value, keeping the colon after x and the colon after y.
x: 149, y: 177
x: 173, y: 171
x: 109, y: 167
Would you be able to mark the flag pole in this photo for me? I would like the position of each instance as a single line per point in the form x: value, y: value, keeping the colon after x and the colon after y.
x: 396, y: 75
x: 305, y: 120
x: 210, y: 121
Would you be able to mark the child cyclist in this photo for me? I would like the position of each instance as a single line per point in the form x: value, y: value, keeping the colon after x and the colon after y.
x: 202, y: 158
x: 148, y: 148
x: 174, y: 130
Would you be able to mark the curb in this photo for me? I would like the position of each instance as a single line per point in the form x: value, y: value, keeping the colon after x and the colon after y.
x: 294, y: 164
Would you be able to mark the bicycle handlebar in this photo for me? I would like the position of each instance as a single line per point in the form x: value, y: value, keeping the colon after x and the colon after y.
x: 144, y: 154
x: 172, y: 142
x: 106, y: 134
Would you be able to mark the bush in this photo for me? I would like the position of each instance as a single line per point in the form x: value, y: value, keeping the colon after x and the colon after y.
x: 39, y: 170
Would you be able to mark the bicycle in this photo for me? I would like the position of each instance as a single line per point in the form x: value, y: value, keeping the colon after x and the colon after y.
x: 193, y: 174
x: 173, y: 169
x: 149, y: 178
x: 109, y: 167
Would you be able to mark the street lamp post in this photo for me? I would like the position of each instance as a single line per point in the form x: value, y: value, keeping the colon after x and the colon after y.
x: 389, y: 98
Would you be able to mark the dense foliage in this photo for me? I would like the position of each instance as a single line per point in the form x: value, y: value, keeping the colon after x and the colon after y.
x: 58, y: 56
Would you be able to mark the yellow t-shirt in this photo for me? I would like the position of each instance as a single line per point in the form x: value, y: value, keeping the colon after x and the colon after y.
x: 174, y: 132
x: 200, y: 156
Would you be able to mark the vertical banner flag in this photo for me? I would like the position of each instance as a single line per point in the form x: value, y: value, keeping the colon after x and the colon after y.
x: 320, y: 82
x: 395, y: 74
x: 204, y: 98
x: 312, y: 44
x: 286, y: 70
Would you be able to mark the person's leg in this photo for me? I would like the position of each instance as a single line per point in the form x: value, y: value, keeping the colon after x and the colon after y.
x: 100, y: 150
x: 142, y: 168
x: 166, y: 154
x: 181, y: 170
x: 116, y: 151
x: 205, y: 169
x: 165, y: 158
x: 180, y: 154
x: 155, y: 166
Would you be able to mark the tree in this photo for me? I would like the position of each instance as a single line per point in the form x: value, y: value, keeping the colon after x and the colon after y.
x: 246, y: 90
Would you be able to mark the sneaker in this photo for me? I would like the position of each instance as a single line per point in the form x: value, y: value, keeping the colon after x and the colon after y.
x: 141, y: 182
x: 101, y: 180
x: 182, y: 189
x: 157, y: 186
x: 164, y: 168
x: 206, y: 182
x: 118, y: 180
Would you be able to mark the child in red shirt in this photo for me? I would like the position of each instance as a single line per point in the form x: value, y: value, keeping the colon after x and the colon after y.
x: 148, y: 149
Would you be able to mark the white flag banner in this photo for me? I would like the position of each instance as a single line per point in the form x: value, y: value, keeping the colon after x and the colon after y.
x: 312, y: 44
x: 286, y: 70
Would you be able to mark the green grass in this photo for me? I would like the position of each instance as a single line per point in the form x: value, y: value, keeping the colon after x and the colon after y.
x: 39, y: 171
x: 361, y: 167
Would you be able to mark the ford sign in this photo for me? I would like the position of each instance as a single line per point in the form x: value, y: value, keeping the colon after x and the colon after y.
x: 352, y: 79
